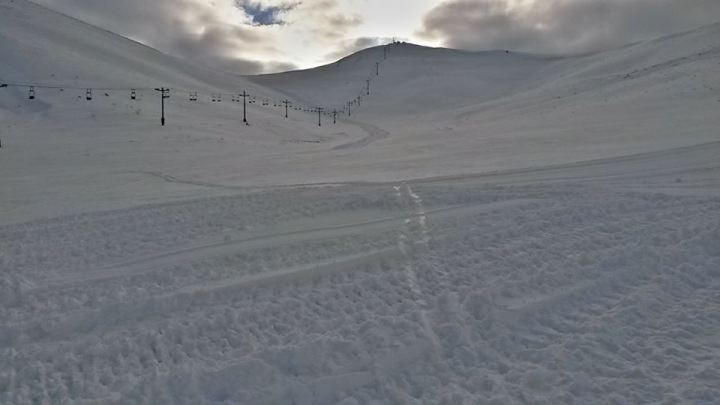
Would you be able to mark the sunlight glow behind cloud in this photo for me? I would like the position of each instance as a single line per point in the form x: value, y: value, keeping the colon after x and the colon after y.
x: 250, y: 36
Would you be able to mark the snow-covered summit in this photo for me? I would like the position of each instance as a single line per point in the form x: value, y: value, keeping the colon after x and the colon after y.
x: 420, y: 79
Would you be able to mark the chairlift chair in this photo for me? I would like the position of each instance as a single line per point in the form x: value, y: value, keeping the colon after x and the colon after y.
x: 88, y: 94
x: 133, y: 94
x: 31, y: 93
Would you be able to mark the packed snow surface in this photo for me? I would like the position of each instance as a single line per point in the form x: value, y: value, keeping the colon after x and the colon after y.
x: 488, y: 227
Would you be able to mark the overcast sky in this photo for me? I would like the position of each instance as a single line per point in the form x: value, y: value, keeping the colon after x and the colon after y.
x: 250, y: 36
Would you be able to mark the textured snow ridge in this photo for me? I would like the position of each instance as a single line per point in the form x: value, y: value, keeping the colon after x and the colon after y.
x: 456, y: 292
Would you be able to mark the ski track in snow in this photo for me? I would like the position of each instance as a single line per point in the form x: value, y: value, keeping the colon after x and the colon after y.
x: 408, y: 242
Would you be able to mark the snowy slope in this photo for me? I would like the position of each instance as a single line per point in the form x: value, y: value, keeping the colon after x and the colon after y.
x: 461, y: 291
x: 42, y: 46
x: 486, y: 228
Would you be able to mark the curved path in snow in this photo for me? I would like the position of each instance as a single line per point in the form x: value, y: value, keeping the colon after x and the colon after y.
x: 374, y: 134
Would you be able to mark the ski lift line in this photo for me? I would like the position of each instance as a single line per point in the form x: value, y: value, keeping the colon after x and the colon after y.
x: 193, y: 94
x: 127, y: 89
x: 55, y: 87
x: 97, y: 88
x: 89, y: 91
x: 134, y: 88
x: 134, y: 91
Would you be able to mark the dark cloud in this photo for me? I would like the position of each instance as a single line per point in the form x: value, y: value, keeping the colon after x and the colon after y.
x: 198, y: 30
x: 351, y: 46
x: 264, y: 15
x: 562, y: 26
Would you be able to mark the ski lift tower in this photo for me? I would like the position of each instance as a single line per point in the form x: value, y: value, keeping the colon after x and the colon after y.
x: 164, y: 93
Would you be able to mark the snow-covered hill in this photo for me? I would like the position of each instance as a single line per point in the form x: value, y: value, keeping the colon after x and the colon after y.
x: 474, y: 112
x: 42, y: 46
x: 485, y: 228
